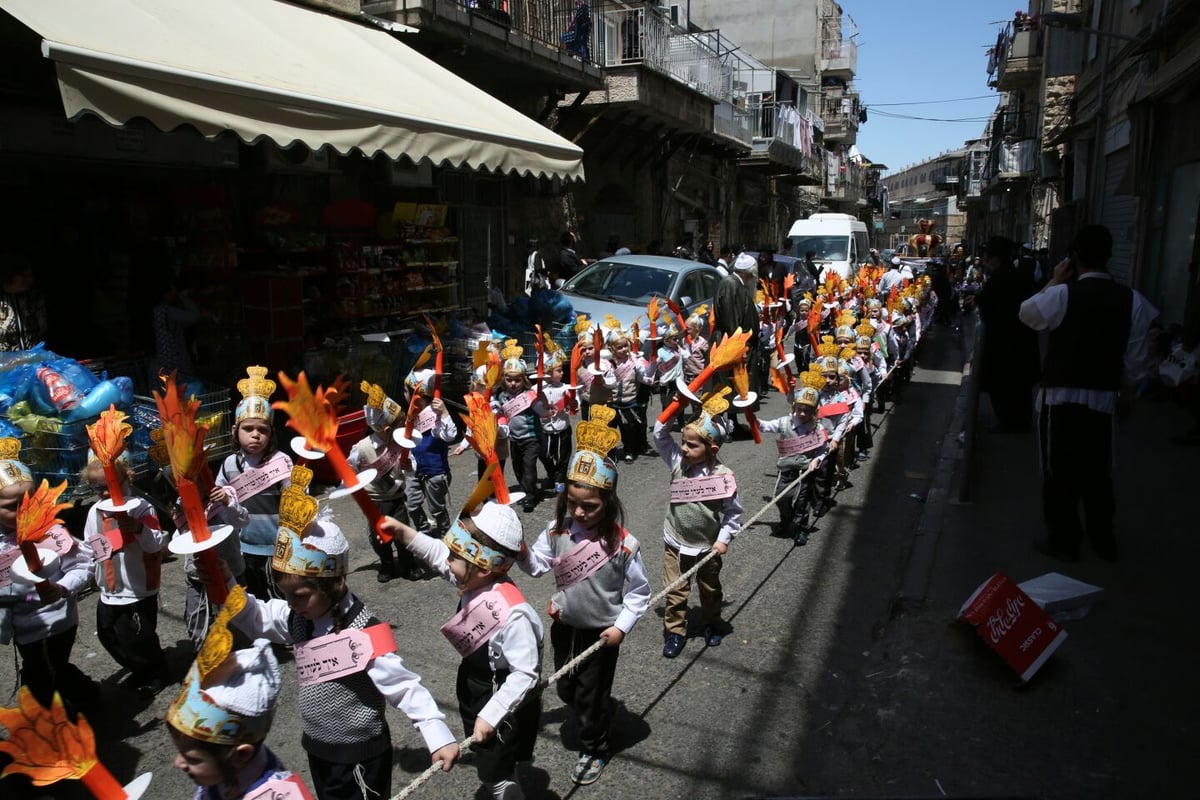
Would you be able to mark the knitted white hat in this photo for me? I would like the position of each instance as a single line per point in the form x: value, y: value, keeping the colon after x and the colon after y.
x: 500, y: 523
x: 252, y: 685
x: 745, y: 263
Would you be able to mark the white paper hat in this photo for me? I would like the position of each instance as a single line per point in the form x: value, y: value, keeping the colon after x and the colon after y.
x: 500, y: 523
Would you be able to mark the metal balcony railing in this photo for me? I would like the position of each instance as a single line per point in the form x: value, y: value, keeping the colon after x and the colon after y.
x: 736, y: 123
x: 557, y: 25
x: 633, y: 36
x: 1013, y: 158
x: 839, y: 56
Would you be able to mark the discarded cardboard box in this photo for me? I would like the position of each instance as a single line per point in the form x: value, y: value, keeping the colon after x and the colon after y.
x: 1057, y: 593
x: 1012, y: 624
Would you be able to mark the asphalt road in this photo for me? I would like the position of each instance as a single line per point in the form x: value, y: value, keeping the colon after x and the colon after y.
x: 784, y: 707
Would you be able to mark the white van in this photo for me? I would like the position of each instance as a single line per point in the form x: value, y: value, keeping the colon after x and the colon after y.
x: 839, y: 240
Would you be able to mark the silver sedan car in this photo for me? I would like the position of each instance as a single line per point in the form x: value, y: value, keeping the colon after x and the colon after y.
x: 623, y: 285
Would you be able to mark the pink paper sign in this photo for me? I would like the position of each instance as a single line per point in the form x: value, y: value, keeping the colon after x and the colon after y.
x: 705, y: 487
x: 336, y: 655
x: 6, y: 561
x: 264, y: 476
x: 291, y: 788
x: 518, y: 404
x: 579, y: 563
x: 102, y: 548
x: 425, y: 420
x: 798, y: 445
x: 60, y: 540
x: 474, y: 625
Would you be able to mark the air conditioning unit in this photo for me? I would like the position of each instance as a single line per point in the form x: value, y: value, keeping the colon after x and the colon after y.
x: 299, y: 158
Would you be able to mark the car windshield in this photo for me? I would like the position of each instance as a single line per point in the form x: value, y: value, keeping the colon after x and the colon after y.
x: 827, y: 248
x: 625, y: 283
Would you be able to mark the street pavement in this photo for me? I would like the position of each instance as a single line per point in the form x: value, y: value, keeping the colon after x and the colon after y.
x: 845, y: 673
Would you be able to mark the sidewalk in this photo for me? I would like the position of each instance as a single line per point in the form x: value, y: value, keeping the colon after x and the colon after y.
x: 1115, y: 705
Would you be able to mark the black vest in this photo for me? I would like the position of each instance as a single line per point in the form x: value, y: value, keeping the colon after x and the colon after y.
x: 1087, y: 350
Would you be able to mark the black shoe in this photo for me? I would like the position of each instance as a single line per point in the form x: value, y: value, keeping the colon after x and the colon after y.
x: 799, y: 537
x: 528, y: 506
x: 386, y: 572
x: 712, y: 638
x: 673, y: 645
x: 150, y: 688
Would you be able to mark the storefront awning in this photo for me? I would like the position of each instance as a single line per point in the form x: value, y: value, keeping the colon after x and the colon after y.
x: 267, y: 68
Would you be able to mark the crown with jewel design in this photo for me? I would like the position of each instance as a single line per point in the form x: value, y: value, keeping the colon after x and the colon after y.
x: 809, y: 386
x: 381, y: 410
x: 583, y: 326
x: 828, y: 347
x: 511, y: 353
x: 12, y: 470
x: 707, y: 425
x: 594, y: 439
x: 256, y: 393
x: 295, y: 551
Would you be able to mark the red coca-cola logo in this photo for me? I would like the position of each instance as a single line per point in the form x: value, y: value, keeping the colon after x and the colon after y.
x: 56, y: 385
x: 1002, y: 620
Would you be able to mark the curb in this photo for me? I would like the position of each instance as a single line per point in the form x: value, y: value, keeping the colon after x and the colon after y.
x: 919, y: 567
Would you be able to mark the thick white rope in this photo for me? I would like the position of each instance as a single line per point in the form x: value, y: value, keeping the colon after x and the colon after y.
x: 595, y: 647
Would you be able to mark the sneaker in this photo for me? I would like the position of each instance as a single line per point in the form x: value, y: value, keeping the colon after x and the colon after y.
x: 712, y: 637
x: 588, y: 768
x: 673, y: 646
x: 629, y: 459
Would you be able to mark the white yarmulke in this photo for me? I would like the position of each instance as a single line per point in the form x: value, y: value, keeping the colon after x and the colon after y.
x: 325, y: 535
x: 501, y: 524
x: 895, y: 261
x: 252, y: 685
x: 745, y: 263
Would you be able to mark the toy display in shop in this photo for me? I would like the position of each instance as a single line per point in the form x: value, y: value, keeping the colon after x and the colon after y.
x: 46, y: 746
x: 546, y: 307
x: 184, y: 440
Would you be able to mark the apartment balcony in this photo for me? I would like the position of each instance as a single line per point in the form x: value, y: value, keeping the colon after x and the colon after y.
x: 846, y: 188
x: 1020, y: 62
x: 502, y: 43
x: 1013, y: 160
x: 782, y: 143
x: 945, y: 178
x: 839, y: 58
x: 734, y: 124
x: 840, y: 114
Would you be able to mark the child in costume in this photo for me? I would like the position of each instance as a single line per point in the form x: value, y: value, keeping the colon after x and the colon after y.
x: 253, y: 476
x: 128, y: 576
x: 483, y: 385
x: 346, y: 734
x: 593, y: 388
x: 43, y: 622
x: 634, y: 375
x: 802, y: 446
x: 670, y: 363
x: 519, y: 424
x: 602, y: 590
x: 378, y: 450
x: 850, y: 370
x: 697, y: 347
x: 555, y: 417
x: 427, y: 484
x: 497, y: 685
x: 834, y: 415
x: 693, y: 527
x: 220, y: 719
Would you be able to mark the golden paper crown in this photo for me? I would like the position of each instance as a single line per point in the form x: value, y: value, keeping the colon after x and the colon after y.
x: 582, y: 324
x: 714, y: 402
x: 549, y: 346
x: 866, y: 329
x: 258, y: 384
x: 296, y: 507
x: 813, y: 379
x: 483, y: 352
x: 698, y: 311
x: 848, y: 319
x: 827, y: 347
x: 848, y: 353
x: 375, y: 394
x: 218, y: 642
x: 597, y: 434
x: 511, y: 350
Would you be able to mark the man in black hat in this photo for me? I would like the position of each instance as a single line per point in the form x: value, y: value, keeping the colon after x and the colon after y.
x: 1098, y: 338
x: 1008, y: 357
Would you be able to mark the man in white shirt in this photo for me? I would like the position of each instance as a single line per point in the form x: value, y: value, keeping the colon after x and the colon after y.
x: 1098, y: 339
x: 890, y: 279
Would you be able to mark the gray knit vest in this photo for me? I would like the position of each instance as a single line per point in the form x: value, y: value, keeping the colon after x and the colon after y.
x: 343, y: 718
x: 596, y: 601
x: 696, y: 524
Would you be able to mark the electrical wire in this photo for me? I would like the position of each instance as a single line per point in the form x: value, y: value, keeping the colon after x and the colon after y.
x: 892, y: 115
x: 932, y: 102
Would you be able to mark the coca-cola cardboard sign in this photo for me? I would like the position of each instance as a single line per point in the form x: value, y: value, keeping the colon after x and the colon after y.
x: 1012, y: 624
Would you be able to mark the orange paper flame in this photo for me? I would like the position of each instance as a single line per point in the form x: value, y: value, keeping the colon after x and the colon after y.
x: 38, y: 512
x: 730, y: 350
x: 741, y: 380
x: 43, y: 744
x: 184, y: 439
x: 312, y: 414
x: 652, y: 311
x: 108, y: 435
x: 481, y: 421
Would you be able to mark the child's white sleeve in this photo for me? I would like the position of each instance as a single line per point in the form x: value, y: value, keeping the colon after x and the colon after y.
x: 535, y: 561
x: 266, y: 620
x: 520, y: 653
x: 731, y: 519
x: 433, y: 553
x: 637, y: 594
x: 665, y: 444
x: 402, y: 690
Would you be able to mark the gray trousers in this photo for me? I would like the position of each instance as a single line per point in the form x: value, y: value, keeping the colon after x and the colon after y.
x: 432, y: 492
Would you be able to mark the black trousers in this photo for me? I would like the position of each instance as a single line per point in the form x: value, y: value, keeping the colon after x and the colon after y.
x: 1076, y: 458
x: 1012, y: 404
x: 393, y: 555
x: 338, y: 782
x: 258, y: 578
x: 587, y: 690
x: 46, y: 668
x: 130, y: 635
x: 556, y: 454
x: 524, y: 455
x: 631, y: 421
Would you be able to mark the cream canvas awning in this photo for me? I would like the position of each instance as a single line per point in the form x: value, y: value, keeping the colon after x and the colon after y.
x: 267, y: 68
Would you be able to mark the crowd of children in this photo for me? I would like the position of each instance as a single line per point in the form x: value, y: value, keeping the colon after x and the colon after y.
x: 286, y: 569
